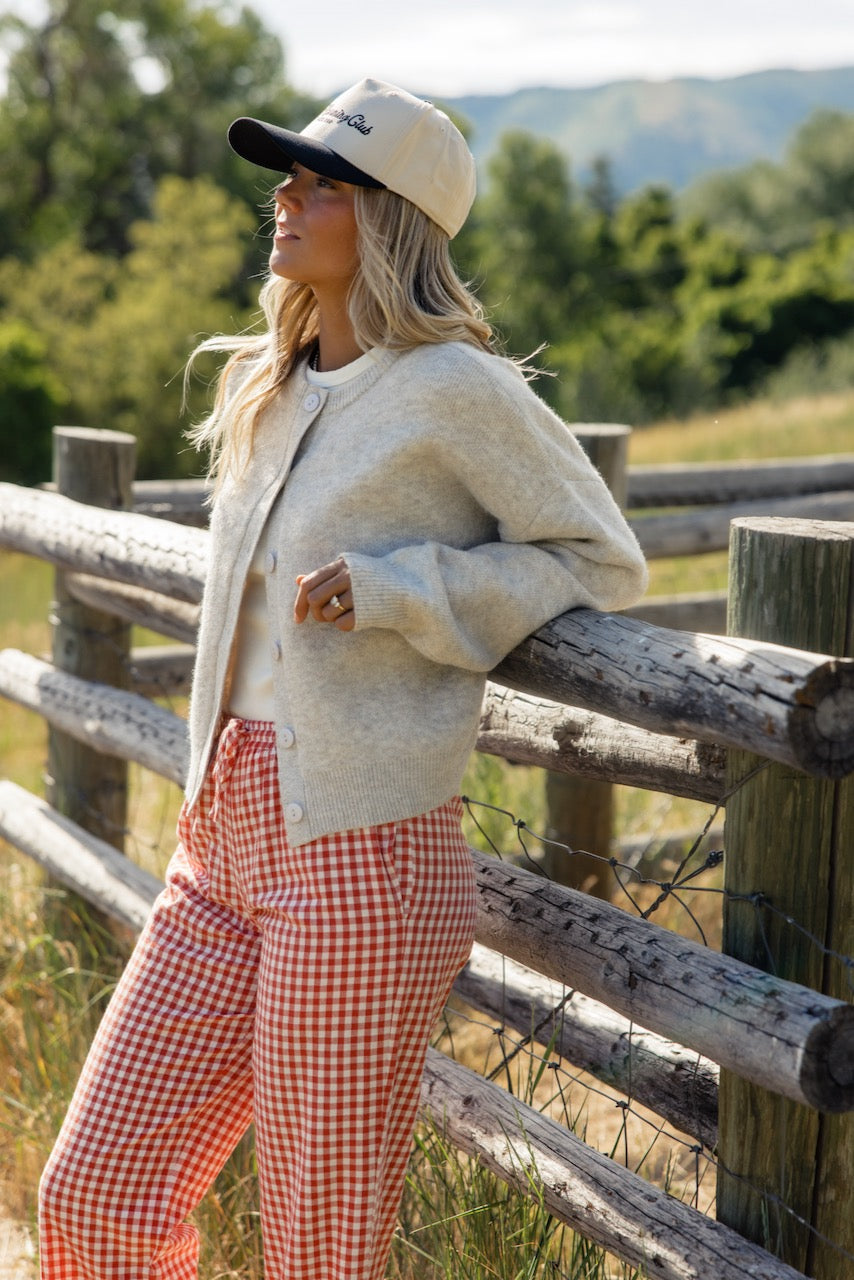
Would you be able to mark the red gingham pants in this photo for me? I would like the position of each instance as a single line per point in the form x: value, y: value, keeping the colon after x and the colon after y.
x: 293, y: 987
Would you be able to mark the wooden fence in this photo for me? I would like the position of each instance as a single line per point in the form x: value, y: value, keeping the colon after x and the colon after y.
x: 751, y: 1052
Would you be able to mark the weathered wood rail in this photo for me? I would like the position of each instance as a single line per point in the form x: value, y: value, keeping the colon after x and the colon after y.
x: 787, y: 705
x: 696, y: 484
x: 707, y: 529
x: 675, y: 484
x: 593, y: 696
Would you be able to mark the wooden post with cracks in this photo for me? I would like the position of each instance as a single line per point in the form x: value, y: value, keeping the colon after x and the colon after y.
x: 96, y: 468
x: 790, y: 839
x: 581, y: 810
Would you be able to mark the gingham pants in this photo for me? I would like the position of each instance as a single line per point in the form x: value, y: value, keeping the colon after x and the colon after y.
x: 293, y: 987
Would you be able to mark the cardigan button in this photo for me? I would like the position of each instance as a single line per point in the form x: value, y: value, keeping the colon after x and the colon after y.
x: 311, y: 402
x: 276, y: 650
x: 270, y: 561
x: 287, y: 737
x: 294, y: 812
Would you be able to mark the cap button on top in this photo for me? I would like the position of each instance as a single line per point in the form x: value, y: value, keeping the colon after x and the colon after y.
x: 311, y: 402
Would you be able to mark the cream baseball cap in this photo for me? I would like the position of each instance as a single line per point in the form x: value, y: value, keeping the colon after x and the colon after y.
x: 375, y: 135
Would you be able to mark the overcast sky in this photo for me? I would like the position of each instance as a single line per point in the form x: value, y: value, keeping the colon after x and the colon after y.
x: 453, y: 47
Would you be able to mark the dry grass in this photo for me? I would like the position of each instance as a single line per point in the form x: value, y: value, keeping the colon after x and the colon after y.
x: 758, y: 429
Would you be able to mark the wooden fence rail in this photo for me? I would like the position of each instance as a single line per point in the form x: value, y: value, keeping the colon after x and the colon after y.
x: 676, y: 484
x: 562, y: 738
x: 708, y: 528
x: 639, y: 1007
x: 785, y: 704
x: 679, y: 484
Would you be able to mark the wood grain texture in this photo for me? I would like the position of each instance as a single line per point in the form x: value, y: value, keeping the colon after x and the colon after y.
x: 776, y: 1033
x: 789, y: 838
x: 679, y: 1085
x: 707, y: 529
x: 111, y: 721
x: 697, y: 483
x: 531, y: 730
x: 156, y: 554
x: 604, y: 1201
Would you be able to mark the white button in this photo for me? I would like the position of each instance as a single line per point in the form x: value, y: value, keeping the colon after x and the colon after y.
x: 294, y: 813
x: 287, y: 737
x: 311, y: 402
x: 276, y: 651
x: 270, y: 561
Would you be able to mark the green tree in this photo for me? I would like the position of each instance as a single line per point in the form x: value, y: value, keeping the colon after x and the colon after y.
x: 529, y: 244
x: 820, y: 167
x: 600, y: 191
x: 30, y: 399
x: 121, y: 241
x: 176, y: 286
x: 778, y: 305
x: 102, y: 100
x: 651, y: 248
x: 777, y: 207
x: 71, y: 129
x: 59, y: 296
x: 216, y: 63
x: 116, y: 334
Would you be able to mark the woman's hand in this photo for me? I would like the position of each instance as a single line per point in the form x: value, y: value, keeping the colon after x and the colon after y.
x: 326, y: 595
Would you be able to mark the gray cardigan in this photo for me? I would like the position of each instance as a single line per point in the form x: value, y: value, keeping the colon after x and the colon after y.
x: 468, y: 516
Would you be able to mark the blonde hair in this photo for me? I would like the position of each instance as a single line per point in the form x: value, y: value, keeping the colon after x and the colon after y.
x: 406, y: 291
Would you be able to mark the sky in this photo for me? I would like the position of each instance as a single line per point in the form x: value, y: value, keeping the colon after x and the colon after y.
x: 455, y: 47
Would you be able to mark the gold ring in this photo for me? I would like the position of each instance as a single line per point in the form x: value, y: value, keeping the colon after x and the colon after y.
x: 338, y: 605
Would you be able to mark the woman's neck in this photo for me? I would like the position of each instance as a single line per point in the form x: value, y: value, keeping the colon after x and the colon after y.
x: 336, y: 340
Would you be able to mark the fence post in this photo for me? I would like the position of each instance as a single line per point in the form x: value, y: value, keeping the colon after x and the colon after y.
x: 580, y: 810
x: 791, y: 838
x: 95, y: 467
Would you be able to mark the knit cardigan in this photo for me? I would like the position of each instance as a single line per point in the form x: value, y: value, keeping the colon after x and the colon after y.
x: 468, y: 516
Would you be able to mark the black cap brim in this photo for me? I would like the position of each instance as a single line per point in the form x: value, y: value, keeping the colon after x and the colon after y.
x: 273, y: 148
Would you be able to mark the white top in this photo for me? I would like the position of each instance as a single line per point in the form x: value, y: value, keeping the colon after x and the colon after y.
x: 251, y: 695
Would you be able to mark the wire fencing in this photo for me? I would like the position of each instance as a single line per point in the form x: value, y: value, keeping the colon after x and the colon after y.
x: 684, y: 1163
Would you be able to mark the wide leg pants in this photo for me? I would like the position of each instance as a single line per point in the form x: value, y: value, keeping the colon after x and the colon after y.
x: 293, y: 987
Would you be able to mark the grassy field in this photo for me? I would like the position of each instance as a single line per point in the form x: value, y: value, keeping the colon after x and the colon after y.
x: 761, y: 429
x: 456, y: 1220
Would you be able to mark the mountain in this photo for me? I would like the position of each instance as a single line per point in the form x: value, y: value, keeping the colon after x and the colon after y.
x: 672, y: 132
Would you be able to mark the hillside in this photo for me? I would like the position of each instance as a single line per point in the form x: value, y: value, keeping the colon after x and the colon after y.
x: 671, y: 132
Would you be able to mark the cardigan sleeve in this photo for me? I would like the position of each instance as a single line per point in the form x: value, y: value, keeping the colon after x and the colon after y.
x: 561, y: 542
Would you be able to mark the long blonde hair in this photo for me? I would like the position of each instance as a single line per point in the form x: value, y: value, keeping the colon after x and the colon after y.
x: 406, y: 291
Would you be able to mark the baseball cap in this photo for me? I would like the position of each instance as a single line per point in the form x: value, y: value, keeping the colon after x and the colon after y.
x: 375, y: 135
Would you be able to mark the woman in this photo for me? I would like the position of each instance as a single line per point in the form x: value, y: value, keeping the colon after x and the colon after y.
x: 394, y: 510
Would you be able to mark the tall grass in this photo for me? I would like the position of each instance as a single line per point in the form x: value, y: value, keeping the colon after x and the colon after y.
x: 457, y: 1221
x: 759, y: 429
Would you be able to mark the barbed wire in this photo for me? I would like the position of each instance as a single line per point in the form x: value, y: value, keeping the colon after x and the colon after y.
x: 702, y: 1154
x: 683, y: 879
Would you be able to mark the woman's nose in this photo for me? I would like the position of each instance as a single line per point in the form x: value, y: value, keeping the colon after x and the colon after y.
x: 286, y: 196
